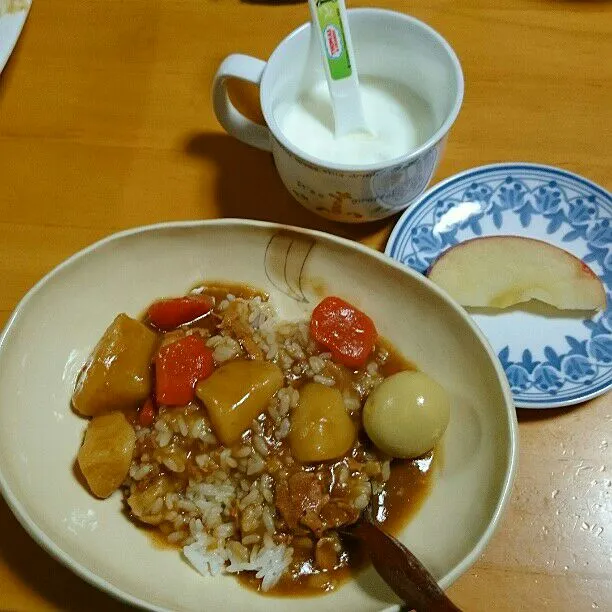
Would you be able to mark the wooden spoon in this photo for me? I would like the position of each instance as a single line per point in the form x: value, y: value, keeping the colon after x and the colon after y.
x: 400, y: 569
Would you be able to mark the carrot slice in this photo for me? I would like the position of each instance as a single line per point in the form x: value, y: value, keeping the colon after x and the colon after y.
x: 146, y: 414
x: 173, y: 312
x: 348, y: 333
x: 178, y: 366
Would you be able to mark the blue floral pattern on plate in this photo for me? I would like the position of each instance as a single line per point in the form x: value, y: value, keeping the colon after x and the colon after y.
x: 549, y: 361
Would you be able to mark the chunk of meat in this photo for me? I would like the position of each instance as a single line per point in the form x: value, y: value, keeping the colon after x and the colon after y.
x: 302, y: 501
x: 313, y: 521
x: 142, y: 502
x: 234, y: 321
x: 299, y: 499
x: 337, y: 513
x: 326, y: 553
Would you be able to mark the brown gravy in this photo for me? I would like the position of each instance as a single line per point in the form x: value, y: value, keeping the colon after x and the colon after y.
x: 405, y: 491
x: 407, y: 488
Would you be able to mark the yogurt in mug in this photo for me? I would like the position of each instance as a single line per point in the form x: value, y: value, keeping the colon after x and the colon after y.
x: 411, y: 100
x: 399, y: 121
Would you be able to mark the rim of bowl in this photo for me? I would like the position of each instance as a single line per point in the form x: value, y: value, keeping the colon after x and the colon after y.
x: 431, y: 142
x: 50, y: 546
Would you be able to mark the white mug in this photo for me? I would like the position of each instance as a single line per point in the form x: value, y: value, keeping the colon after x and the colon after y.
x: 387, y: 45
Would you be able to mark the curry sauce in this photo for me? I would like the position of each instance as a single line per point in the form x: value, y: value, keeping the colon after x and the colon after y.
x: 323, y: 555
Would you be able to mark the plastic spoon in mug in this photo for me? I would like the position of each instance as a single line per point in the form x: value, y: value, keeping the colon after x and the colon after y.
x: 330, y: 23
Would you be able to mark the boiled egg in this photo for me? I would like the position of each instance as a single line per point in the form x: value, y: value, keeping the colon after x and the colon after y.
x: 406, y: 414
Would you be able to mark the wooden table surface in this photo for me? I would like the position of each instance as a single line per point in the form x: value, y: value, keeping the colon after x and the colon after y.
x: 106, y: 123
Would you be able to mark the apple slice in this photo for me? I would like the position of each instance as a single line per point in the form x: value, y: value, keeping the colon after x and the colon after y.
x: 500, y: 271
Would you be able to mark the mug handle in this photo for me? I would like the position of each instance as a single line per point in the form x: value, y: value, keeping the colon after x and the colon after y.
x: 245, y: 68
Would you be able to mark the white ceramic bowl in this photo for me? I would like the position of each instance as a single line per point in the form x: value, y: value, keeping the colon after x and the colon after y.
x: 56, y: 324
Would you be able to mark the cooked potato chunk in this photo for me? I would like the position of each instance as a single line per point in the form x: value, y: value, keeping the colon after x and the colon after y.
x: 106, y: 453
x: 237, y: 393
x: 142, y: 502
x: 118, y: 372
x: 321, y: 429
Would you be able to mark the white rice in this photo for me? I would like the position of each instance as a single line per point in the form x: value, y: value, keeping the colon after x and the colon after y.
x: 219, y: 516
x: 324, y: 380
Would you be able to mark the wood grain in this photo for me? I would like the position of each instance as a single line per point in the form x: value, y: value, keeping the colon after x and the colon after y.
x: 106, y: 123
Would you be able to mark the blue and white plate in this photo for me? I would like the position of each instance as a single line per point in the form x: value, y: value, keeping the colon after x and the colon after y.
x: 549, y: 360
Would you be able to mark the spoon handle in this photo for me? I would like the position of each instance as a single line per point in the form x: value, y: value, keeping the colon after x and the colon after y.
x: 331, y: 27
x: 402, y: 571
